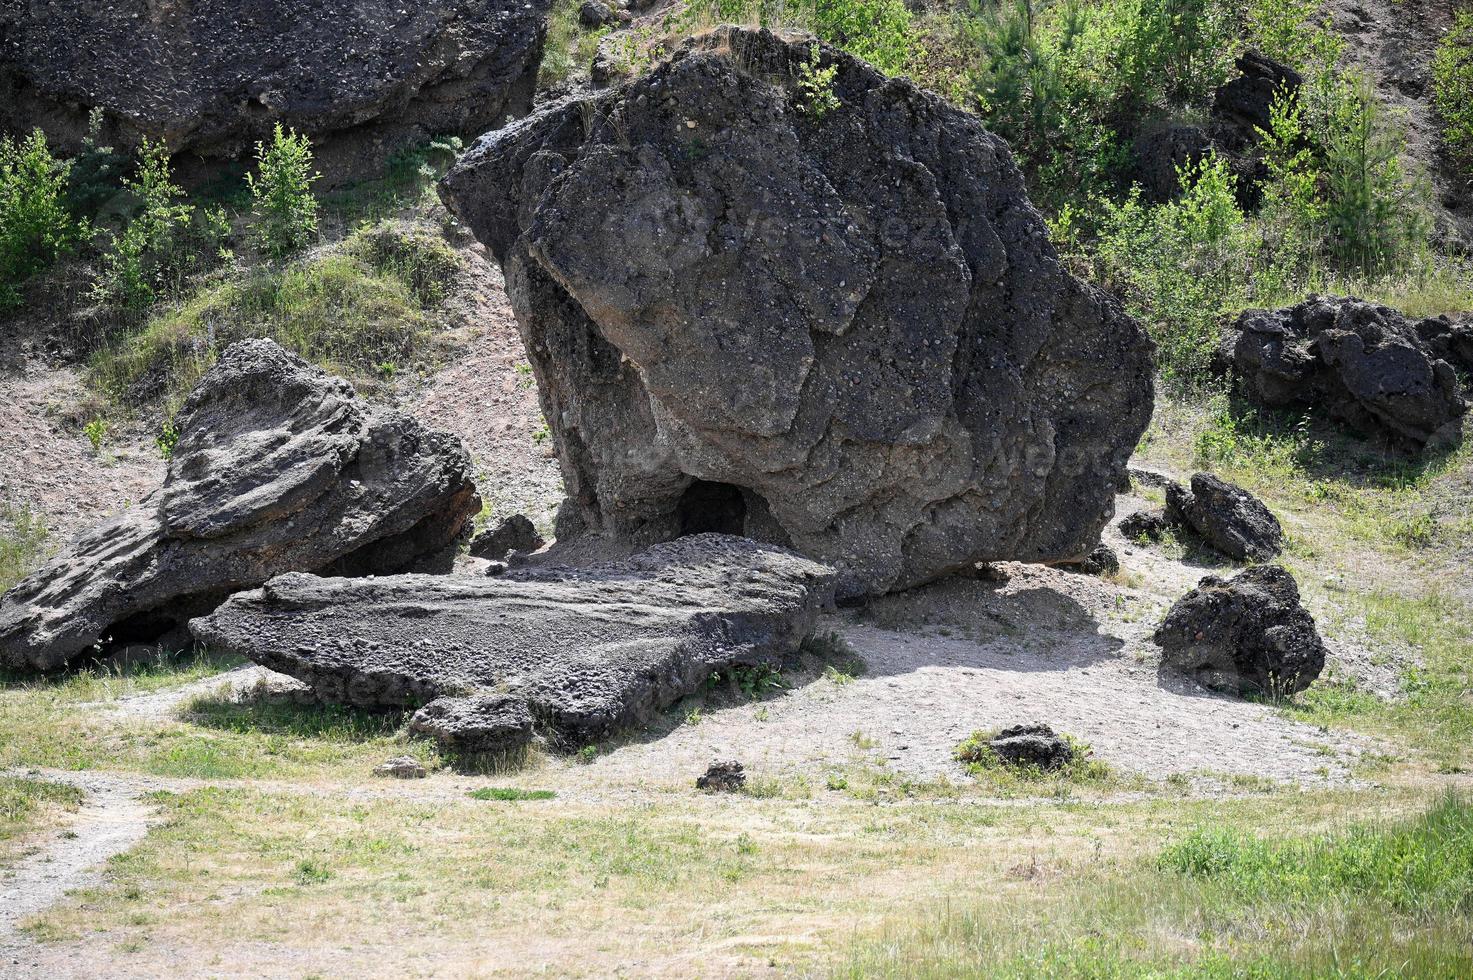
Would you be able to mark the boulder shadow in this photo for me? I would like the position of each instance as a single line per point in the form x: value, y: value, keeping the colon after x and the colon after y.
x: 297, y: 713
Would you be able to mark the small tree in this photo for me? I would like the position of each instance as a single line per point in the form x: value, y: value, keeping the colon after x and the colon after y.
x: 285, y: 210
x: 150, y: 255
x: 35, y: 226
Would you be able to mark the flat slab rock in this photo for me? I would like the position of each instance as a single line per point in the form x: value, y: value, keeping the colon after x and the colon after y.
x: 212, y: 76
x: 279, y: 467
x: 843, y: 332
x: 567, y: 655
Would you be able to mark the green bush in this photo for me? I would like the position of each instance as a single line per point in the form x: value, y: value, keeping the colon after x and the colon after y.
x: 35, y: 223
x: 96, y: 172
x: 1452, y: 88
x: 285, y: 212
x: 1181, y: 264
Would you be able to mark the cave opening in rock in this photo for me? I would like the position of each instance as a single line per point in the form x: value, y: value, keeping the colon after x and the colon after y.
x: 708, y: 507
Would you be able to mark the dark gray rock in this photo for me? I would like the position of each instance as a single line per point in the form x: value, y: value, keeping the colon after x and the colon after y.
x: 1247, y: 635
x: 595, y: 13
x: 278, y: 467
x: 570, y: 655
x: 1037, y: 746
x: 213, y: 76
x: 1144, y: 524
x: 1160, y: 153
x: 1101, y: 561
x: 1245, y: 101
x: 846, y: 334
x: 516, y: 533
x: 1357, y: 362
x: 1450, y: 338
x: 1226, y: 516
x: 722, y: 777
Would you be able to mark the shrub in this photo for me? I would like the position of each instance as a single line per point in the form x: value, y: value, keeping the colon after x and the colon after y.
x: 22, y: 543
x: 96, y: 173
x: 1279, y: 28
x: 35, y: 224
x: 816, y: 83
x: 1181, y: 264
x: 1452, y: 88
x: 285, y: 211
x: 151, y: 256
x: 879, y: 31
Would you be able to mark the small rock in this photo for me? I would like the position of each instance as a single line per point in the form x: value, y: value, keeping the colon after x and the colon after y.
x: 723, y: 777
x: 401, y: 767
x: 1226, y: 516
x: 1032, y: 745
x: 593, y: 14
x: 1101, y: 561
x: 1248, y: 635
x: 516, y: 533
x: 1147, y: 524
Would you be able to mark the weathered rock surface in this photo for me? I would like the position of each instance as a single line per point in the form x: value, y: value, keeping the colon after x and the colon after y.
x: 571, y: 655
x: 845, y: 333
x: 278, y: 467
x: 1358, y: 362
x: 401, y: 767
x: 516, y: 533
x: 1450, y: 338
x: 723, y: 777
x: 1038, y: 746
x: 1226, y: 516
x: 213, y: 76
x: 1246, y: 635
x: 1148, y: 524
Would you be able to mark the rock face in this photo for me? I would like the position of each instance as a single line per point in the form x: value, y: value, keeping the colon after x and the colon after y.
x: 1247, y: 635
x: 278, y: 467
x: 843, y: 332
x: 571, y: 655
x: 213, y: 76
x: 1226, y: 516
x: 1360, y: 363
x: 1038, y: 746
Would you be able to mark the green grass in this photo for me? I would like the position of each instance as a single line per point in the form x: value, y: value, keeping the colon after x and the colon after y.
x: 23, y: 537
x: 510, y: 794
x: 353, y: 308
x: 570, y: 46
x: 1382, y: 899
x: 988, y: 767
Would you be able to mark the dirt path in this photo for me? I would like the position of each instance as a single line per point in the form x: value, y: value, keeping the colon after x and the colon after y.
x: 112, y: 819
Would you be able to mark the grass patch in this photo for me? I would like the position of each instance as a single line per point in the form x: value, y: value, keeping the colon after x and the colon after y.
x: 23, y: 537
x: 28, y: 804
x: 361, y: 308
x: 510, y: 794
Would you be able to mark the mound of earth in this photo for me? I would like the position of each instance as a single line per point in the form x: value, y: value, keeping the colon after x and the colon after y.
x: 1360, y: 363
x: 213, y: 76
x: 278, y: 467
x: 841, y: 330
x: 568, y: 655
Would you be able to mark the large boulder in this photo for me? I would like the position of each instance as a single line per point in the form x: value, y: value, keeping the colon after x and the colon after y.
x: 213, y: 76
x: 1244, y: 103
x: 1226, y: 516
x: 1358, y: 362
x: 567, y: 655
x: 1247, y: 635
x: 279, y: 467
x: 844, y: 330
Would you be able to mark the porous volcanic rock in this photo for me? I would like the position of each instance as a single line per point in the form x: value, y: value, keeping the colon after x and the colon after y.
x: 1226, y: 516
x: 1450, y: 338
x: 278, y: 467
x: 213, y: 76
x: 845, y: 332
x: 1245, y: 101
x: 1101, y: 561
x: 723, y: 777
x: 1035, y: 745
x: 1148, y: 524
x: 1358, y: 362
x: 570, y: 655
x: 1247, y: 635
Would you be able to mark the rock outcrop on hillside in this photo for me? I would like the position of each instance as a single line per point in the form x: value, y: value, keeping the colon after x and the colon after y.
x: 278, y: 468
x: 213, y: 76
x: 567, y: 655
x: 1247, y: 635
x: 1360, y: 363
x: 842, y: 330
